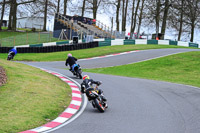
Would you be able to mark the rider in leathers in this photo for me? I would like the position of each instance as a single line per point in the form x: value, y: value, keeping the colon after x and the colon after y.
x: 71, y: 61
x: 86, y: 86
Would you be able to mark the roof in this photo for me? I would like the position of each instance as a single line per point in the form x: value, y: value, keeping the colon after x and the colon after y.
x: 31, y: 18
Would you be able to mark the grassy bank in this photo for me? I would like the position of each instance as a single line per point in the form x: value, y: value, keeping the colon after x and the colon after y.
x: 84, y: 53
x: 24, y: 37
x: 180, y: 68
x: 30, y: 98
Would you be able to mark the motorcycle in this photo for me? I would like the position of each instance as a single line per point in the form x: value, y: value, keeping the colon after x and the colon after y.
x: 96, y: 99
x: 10, y: 55
x: 76, y: 70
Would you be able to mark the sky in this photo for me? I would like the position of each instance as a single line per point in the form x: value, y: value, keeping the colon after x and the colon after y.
x: 172, y: 35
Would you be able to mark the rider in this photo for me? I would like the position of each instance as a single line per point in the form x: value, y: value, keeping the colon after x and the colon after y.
x: 13, y: 51
x: 71, y: 61
x: 86, y: 86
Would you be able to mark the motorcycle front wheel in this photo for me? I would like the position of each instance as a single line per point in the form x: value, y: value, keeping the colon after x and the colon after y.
x: 99, y: 105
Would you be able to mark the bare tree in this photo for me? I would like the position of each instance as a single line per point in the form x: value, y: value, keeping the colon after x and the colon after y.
x: 45, y: 15
x: 117, y: 14
x: 135, y: 18
x: 2, y: 13
x: 83, y: 8
x: 95, y: 4
x: 132, y: 19
x: 181, y: 20
x: 124, y: 14
x: 65, y: 7
x: 157, y: 17
x: 166, y: 9
x: 13, y: 12
x: 58, y: 7
x: 140, y: 18
x: 192, y: 13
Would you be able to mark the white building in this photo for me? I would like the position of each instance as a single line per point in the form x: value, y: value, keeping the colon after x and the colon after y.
x: 30, y: 22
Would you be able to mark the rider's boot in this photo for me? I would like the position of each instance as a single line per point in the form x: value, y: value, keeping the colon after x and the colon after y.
x: 103, y: 98
x: 105, y: 105
x: 93, y: 104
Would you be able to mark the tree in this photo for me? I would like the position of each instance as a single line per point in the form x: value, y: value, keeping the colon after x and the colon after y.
x: 117, y: 14
x: 181, y: 20
x: 58, y: 7
x: 83, y: 8
x: 157, y: 17
x: 65, y: 7
x: 140, y: 18
x: 166, y: 9
x: 135, y: 19
x: 124, y: 14
x: 95, y: 4
x: 45, y: 15
x: 13, y: 12
x: 192, y: 13
x: 132, y: 19
x: 2, y: 13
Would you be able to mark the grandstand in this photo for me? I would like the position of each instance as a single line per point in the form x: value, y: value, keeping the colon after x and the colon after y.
x: 66, y: 27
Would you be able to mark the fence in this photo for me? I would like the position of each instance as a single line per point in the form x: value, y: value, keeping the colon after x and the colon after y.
x: 27, y: 38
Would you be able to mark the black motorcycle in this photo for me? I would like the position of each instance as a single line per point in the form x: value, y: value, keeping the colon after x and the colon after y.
x: 96, y: 99
x: 11, y: 55
x: 77, y: 70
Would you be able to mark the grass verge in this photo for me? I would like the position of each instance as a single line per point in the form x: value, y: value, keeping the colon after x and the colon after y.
x: 180, y: 68
x: 84, y: 53
x: 10, y: 39
x: 30, y: 98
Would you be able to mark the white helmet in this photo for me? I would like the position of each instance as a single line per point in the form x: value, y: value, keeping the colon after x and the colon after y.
x: 69, y: 55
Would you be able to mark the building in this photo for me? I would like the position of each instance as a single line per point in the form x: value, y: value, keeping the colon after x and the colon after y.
x: 5, y: 23
x: 30, y: 22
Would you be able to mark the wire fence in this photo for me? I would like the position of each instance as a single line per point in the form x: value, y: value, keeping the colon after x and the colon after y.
x: 27, y: 39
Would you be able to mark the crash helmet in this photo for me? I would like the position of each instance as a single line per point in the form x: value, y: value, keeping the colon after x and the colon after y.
x: 69, y: 55
x: 86, y: 77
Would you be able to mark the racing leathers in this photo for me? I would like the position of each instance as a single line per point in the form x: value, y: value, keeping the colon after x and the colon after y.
x: 87, y: 86
x: 71, y: 61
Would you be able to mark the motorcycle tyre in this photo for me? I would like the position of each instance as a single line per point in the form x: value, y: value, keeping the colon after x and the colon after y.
x: 9, y: 58
x: 98, y: 105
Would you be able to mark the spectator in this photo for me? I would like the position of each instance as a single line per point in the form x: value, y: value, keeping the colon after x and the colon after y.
x: 72, y: 21
x: 75, y: 18
x: 94, y: 21
x: 84, y: 21
x: 89, y: 22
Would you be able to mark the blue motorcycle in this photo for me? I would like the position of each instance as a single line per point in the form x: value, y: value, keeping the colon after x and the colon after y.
x: 76, y: 70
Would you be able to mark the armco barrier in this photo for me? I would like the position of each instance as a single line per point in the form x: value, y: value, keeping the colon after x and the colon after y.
x: 63, y: 42
x: 127, y: 42
x: 152, y: 42
x: 173, y: 42
x: 67, y: 47
x: 193, y: 45
x: 55, y: 48
x: 36, y: 45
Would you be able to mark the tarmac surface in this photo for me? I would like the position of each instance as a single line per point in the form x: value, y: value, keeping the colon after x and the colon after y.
x: 135, y: 105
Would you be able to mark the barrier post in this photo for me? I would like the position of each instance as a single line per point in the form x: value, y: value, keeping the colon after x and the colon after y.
x: 39, y: 37
x: 14, y: 40
x: 27, y: 38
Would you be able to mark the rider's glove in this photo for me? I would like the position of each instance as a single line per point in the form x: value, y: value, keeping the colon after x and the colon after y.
x: 99, y: 83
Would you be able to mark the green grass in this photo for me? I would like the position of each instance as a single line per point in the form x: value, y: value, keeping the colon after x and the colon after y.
x: 30, y: 98
x: 10, y: 38
x: 84, y: 53
x: 5, y: 34
x: 180, y: 68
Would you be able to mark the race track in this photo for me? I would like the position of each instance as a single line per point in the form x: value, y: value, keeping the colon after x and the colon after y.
x: 135, y: 105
